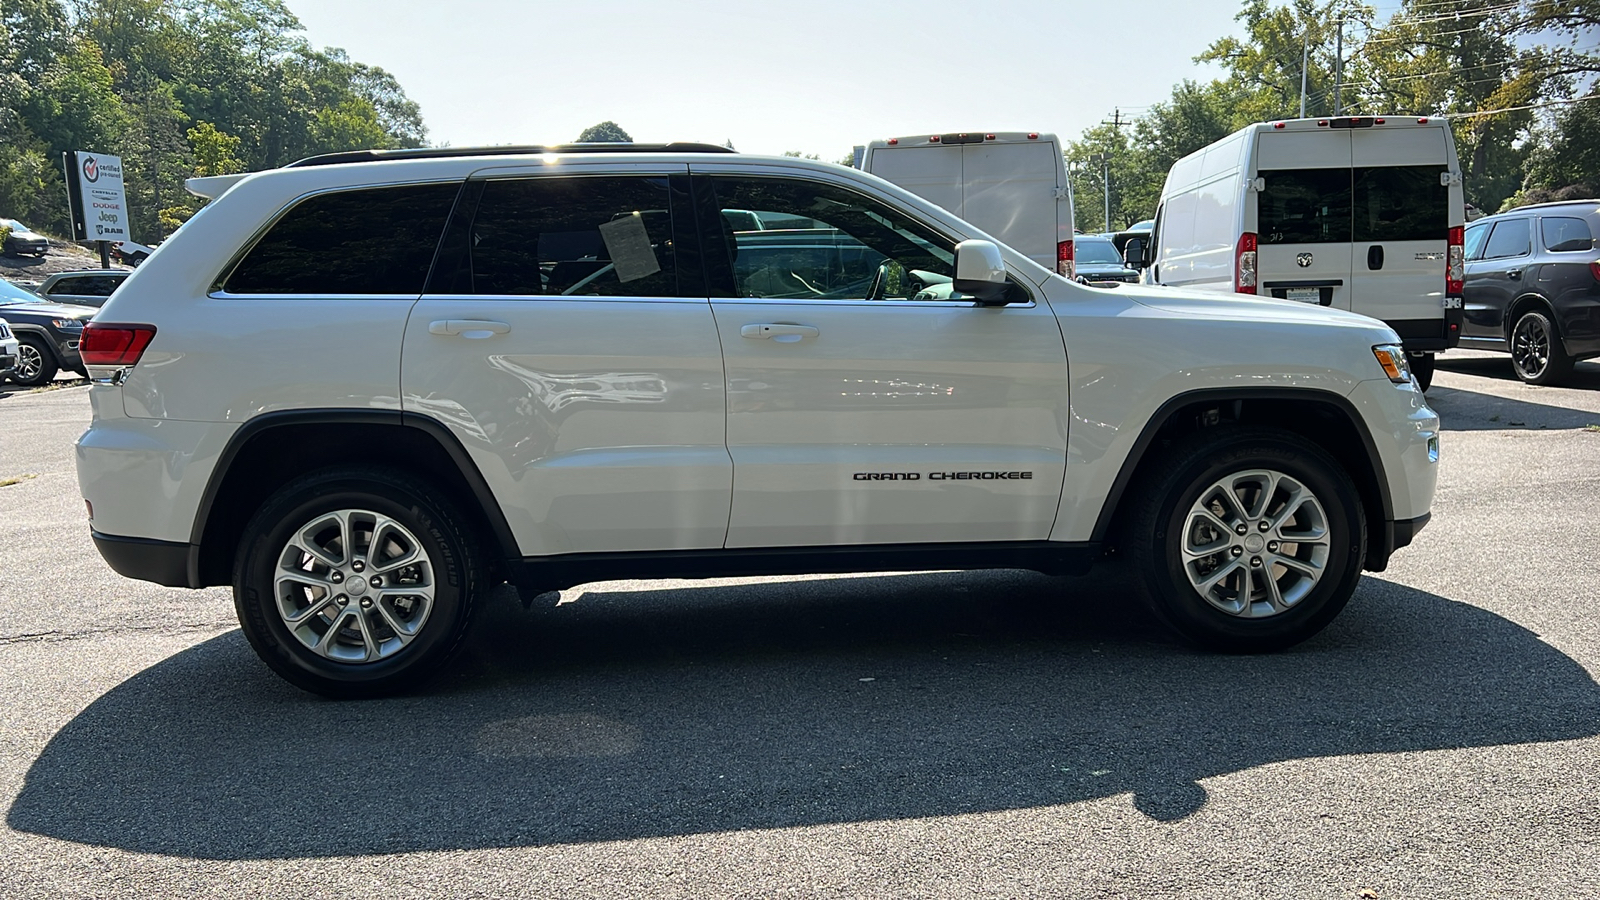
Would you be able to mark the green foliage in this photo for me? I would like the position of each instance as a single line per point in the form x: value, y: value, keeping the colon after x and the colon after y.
x: 177, y: 88
x: 1564, y: 157
x: 607, y: 132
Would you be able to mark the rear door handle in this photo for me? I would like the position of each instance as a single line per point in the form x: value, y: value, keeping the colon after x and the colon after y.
x: 468, y: 328
x: 1514, y: 274
x: 784, y: 334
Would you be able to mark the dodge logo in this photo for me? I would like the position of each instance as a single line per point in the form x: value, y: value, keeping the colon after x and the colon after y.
x: 1303, y: 260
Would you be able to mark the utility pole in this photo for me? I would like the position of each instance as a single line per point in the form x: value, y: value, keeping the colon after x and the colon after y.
x: 1104, y: 159
x: 1305, y: 50
x: 1117, y: 121
x: 1338, y: 66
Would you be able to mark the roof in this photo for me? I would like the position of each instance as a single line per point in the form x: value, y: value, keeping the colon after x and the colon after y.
x: 360, y: 156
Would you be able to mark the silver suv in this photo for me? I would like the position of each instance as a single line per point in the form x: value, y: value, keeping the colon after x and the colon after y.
x: 364, y: 388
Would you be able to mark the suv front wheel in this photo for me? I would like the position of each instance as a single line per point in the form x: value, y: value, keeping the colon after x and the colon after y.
x: 1248, y: 540
x: 356, y: 582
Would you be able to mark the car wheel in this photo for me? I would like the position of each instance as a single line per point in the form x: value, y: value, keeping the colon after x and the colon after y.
x: 36, y: 365
x: 1422, y: 368
x: 357, y: 582
x: 1536, y: 351
x: 1248, y: 540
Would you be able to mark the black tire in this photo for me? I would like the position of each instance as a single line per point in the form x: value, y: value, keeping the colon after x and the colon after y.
x: 1160, y: 516
x: 453, y: 564
x: 1537, y: 354
x: 36, y: 362
x: 1422, y: 368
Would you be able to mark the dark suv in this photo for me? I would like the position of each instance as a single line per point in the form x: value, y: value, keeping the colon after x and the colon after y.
x: 1533, y: 287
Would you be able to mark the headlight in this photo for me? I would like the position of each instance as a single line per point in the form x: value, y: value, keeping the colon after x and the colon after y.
x: 1393, y: 359
x: 67, y: 324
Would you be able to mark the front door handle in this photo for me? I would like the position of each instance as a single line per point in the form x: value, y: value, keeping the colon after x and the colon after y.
x: 468, y: 328
x: 784, y: 334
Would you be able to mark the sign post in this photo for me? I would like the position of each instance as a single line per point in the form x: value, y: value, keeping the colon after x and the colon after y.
x: 99, y: 205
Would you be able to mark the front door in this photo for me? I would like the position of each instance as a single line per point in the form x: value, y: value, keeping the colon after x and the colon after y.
x: 865, y: 405
x: 559, y: 346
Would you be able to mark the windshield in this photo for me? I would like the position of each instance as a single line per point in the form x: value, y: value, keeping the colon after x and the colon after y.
x: 14, y: 225
x: 10, y: 293
x: 1097, y: 253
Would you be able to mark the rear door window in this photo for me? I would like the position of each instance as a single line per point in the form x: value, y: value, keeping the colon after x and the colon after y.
x: 372, y: 241
x: 1304, y: 206
x: 1512, y: 237
x: 1564, y: 234
x: 601, y: 235
x: 1400, y: 203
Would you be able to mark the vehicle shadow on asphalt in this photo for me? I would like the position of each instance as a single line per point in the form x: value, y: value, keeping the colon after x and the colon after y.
x: 1584, y: 376
x: 717, y: 708
x: 1467, y: 410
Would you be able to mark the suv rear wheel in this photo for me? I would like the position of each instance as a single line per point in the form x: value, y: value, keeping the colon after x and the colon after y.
x: 1248, y: 540
x: 1536, y: 351
x: 356, y: 582
x: 36, y: 365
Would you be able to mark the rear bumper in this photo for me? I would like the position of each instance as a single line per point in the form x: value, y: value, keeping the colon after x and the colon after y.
x: 1429, y: 335
x: 163, y: 562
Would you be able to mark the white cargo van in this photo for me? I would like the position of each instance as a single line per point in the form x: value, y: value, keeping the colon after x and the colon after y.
x: 1011, y: 184
x: 1359, y: 213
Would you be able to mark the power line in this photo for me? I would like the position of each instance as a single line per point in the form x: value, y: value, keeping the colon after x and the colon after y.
x: 1490, y: 112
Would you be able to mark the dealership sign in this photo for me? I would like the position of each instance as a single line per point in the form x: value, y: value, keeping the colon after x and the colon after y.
x: 94, y: 188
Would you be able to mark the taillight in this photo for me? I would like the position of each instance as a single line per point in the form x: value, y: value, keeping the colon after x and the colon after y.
x: 105, y: 344
x: 1065, y: 256
x: 1455, y: 272
x: 1244, y: 264
x: 1594, y: 269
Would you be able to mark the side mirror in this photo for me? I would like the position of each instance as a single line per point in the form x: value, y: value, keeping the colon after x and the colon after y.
x: 980, y: 271
x: 1133, y: 255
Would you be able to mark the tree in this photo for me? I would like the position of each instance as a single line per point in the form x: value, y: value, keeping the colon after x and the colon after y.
x: 607, y: 132
x: 1564, y: 158
x: 215, y: 151
x: 1088, y: 174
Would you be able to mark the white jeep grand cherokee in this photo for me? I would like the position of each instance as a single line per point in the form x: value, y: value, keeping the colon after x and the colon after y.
x: 366, y: 387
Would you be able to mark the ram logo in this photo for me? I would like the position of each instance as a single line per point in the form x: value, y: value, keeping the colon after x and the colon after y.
x: 1303, y: 260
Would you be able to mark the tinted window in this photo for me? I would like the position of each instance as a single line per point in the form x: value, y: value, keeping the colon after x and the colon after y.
x: 1513, y: 237
x: 1096, y: 252
x: 87, y: 286
x: 377, y: 241
x: 1565, y: 235
x: 1474, y: 240
x: 1304, y: 206
x: 1401, y: 203
x: 595, y: 236
x: 841, y: 243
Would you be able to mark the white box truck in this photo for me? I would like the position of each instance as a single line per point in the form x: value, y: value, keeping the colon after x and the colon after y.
x: 1363, y: 213
x: 1011, y: 184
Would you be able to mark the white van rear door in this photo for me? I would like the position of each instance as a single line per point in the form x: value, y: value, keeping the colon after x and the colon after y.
x: 1401, y: 224
x: 1303, y: 216
x: 1011, y: 194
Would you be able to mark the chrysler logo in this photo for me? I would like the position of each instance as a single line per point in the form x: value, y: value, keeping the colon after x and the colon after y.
x: 1303, y: 260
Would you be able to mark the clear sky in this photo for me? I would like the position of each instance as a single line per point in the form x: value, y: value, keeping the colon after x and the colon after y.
x: 818, y: 76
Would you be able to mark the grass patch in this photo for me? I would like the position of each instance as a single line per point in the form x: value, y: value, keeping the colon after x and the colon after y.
x: 57, y: 385
x: 1594, y: 428
x: 9, y: 480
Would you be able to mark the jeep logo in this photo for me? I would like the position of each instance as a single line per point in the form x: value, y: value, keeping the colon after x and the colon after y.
x: 1303, y: 260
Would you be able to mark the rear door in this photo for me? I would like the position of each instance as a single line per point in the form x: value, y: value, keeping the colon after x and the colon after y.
x: 1400, y: 226
x: 1303, y: 216
x: 1010, y: 191
x: 566, y: 339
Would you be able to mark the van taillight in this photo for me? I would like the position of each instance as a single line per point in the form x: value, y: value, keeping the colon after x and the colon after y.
x: 1244, y: 264
x: 105, y: 344
x: 1065, y: 255
x: 1455, y: 271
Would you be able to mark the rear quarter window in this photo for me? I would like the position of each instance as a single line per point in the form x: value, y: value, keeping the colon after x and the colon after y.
x: 370, y: 241
x: 1564, y: 234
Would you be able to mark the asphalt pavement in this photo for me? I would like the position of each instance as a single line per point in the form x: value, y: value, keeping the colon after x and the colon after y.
x: 943, y: 734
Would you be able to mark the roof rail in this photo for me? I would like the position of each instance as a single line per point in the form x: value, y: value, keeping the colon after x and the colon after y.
x: 1586, y: 201
x: 360, y: 156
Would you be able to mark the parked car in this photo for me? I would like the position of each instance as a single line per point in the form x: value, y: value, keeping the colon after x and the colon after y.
x: 23, y: 240
x: 594, y: 390
x: 89, y: 287
x: 8, y: 349
x: 131, y: 253
x: 1097, y: 259
x: 1363, y: 213
x: 47, y: 334
x: 1011, y: 184
x: 1533, y: 287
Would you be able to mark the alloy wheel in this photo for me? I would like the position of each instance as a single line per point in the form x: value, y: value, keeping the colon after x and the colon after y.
x: 1255, y: 543
x: 30, y: 362
x: 354, y: 586
x: 1530, y: 346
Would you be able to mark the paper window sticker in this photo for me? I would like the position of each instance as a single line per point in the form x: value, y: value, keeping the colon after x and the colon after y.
x: 628, y: 245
